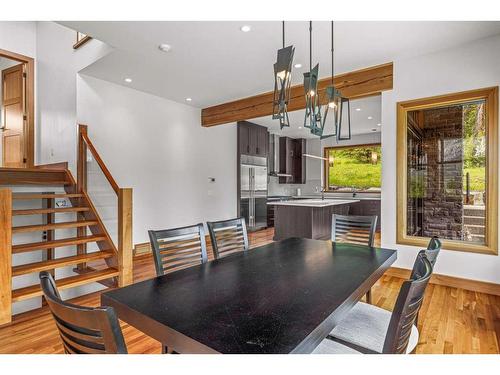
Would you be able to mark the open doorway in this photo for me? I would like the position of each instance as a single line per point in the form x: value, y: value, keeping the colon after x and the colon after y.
x: 16, y: 110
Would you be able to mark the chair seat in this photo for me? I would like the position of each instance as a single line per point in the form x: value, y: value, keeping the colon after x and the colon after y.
x: 331, y: 347
x: 366, y: 325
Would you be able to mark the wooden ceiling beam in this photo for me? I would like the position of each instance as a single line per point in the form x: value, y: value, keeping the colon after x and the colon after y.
x: 356, y: 84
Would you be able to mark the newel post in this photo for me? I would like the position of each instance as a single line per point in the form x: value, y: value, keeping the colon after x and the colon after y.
x: 81, y: 166
x: 125, y: 245
x: 5, y: 256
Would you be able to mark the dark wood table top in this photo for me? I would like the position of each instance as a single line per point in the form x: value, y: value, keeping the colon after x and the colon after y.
x: 284, y: 297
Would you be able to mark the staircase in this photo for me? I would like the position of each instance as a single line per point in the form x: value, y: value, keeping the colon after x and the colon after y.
x: 474, y: 223
x: 65, y: 232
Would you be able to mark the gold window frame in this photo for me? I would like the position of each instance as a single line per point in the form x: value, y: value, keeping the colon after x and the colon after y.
x: 490, y: 96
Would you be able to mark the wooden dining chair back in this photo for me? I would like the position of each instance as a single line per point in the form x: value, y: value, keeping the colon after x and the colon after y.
x: 83, y: 330
x: 407, y: 306
x: 433, y: 250
x: 228, y: 236
x: 354, y: 229
x: 178, y: 248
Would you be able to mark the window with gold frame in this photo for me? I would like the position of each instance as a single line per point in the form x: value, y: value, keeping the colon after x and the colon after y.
x: 447, y: 165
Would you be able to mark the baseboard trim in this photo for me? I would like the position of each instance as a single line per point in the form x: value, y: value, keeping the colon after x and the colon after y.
x: 451, y: 281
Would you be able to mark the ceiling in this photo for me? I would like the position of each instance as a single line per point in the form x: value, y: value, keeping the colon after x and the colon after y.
x: 215, y: 62
x: 361, y: 109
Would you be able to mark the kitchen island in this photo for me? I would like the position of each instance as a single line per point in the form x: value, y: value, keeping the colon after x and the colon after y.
x: 307, y: 218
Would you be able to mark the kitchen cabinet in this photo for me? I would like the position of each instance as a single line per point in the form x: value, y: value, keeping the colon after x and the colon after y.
x: 253, y: 139
x: 367, y: 207
x: 291, y: 160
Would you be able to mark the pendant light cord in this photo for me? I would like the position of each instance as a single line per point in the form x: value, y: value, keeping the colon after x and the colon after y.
x: 310, y: 45
x: 283, y: 34
x: 332, y: 54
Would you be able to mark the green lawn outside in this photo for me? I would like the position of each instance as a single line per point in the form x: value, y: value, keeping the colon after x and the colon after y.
x: 347, y: 172
x: 477, y: 178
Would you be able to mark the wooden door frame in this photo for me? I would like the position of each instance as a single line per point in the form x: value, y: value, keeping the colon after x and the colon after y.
x: 29, y: 127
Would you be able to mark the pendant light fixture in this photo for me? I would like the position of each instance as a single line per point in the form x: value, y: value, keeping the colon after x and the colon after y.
x: 312, y: 119
x: 332, y: 125
x: 282, y: 82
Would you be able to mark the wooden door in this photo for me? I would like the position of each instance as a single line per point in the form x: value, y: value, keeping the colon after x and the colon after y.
x: 13, y: 117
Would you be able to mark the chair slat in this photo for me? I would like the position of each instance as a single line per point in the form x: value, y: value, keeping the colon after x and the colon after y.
x: 83, y: 330
x: 178, y: 247
x: 357, y: 229
x: 228, y: 236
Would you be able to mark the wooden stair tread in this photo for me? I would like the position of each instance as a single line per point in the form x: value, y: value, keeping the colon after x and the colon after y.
x: 42, y: 227
x: 59, y: 262
x: 44, y: 196
x: 38, y: 211
x: 35, y: 176
x: 55, y: 243
x: 65, y: 283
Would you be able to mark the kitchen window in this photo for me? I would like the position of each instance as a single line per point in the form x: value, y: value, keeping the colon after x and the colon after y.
x: 447, y: 167
x: 353, y: 168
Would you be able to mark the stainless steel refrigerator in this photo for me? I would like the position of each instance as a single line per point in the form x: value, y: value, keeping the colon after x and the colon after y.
x: 253, y: 202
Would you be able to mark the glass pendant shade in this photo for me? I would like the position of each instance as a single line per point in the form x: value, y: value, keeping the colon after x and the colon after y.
x: 282, y: 83
x: 312, y: 119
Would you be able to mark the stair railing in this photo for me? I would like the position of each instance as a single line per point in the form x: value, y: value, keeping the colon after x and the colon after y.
x: 124, y: 244
x: 5, y: 256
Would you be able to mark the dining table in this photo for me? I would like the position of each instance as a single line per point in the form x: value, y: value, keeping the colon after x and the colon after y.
x: 283, y: 297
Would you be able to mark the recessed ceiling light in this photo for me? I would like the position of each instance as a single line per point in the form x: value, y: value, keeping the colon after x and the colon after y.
x: 370, y: 118
x: 245, y: 28
x: 165, y: 47
x: 358, y: 109
x: 188, y: 99
x: 379, y: 124
x: 128, y: 80
x: 298, y: 66
x: 374, y: 129
x: 300, y: 127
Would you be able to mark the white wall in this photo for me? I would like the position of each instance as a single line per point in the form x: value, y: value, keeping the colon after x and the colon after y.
x: 468, y: 67
x: 58, y: 64
x: 19, y: 37
x: 158, y: 148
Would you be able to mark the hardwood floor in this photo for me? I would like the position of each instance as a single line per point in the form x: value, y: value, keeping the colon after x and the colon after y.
x: 451, y: 320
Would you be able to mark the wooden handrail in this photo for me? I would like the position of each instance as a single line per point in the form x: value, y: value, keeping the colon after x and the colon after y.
x: 83, y: 135
x: 124, y: 247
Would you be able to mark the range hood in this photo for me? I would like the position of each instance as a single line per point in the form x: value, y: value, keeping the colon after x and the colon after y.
x: 273, y: 162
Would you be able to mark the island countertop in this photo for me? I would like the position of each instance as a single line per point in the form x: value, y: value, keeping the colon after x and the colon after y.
x: 313, y: 202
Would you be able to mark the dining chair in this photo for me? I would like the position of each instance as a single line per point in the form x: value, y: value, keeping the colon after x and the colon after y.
x: 432, y: 253
x: 83, y: 330
x: 368, y: 329
x: 178, y: 248
x: 354, y: 229
x: 433, y: 249
x: 228, y: 236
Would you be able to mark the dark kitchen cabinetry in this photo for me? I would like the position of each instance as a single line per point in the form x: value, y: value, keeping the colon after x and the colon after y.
x: 253, y: 139
x: 292, y: 162
x: 367, y: 207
